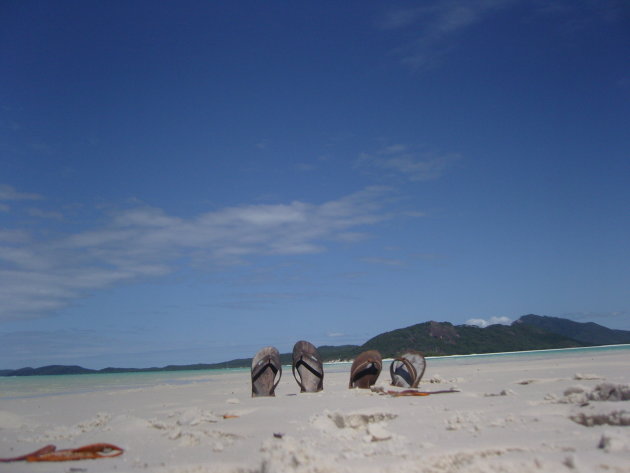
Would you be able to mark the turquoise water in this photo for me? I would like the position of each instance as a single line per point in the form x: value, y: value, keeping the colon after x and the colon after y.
x: 39, y: 386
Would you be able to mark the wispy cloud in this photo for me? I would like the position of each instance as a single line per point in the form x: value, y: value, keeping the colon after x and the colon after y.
x: 51, y: 214
x: 258, y: 301
x: 8, y: 193
x: 435, y: 25
x: 434, y: 28
x: 384, y: 261
x: 41, y: 275
x: 13, y: 236
x: 398, y: 160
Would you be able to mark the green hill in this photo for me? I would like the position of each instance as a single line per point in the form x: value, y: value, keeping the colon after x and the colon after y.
x: 587, y: 332
x: 443, y: 338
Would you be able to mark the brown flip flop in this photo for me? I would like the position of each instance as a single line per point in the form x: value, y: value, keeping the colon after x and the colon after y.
x: 365, y: 369
x: 265, y: 367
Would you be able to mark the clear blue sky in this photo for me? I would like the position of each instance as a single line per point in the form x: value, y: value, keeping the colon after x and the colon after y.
x: 189, y: 181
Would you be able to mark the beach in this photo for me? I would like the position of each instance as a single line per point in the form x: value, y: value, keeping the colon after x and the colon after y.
x: 550, y: 412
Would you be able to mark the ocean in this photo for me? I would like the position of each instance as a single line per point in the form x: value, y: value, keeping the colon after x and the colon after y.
x: 21, y: 387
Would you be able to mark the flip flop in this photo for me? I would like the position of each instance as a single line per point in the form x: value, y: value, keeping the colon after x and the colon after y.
x: 265, y: 366
x: 307, y: 364
x: 365, y: 369
x: 49, y: 453
x: 407, y: 370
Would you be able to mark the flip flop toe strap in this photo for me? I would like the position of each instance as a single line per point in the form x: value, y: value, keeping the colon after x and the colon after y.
x: 303, y: 363
x: 410, y: 368
x: 261, y: 367
x: 363, y: 366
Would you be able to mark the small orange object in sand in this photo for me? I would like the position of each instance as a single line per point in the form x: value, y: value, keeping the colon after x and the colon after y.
x: 230, y: 416
x: 407, y: 393
x: 49, y: 453
x: 410, y: 392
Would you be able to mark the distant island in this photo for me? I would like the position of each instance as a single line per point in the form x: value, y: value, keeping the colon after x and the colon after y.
x: 530, y: 332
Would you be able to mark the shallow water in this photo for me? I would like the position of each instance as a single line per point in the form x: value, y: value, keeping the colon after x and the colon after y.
x: 17, y: 387
x: 20, y: 387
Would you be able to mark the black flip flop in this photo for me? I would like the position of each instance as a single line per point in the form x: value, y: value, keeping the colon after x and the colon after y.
x: 265, y: 367
x: 308, y: 369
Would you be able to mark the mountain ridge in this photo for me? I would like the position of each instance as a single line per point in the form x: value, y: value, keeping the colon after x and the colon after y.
x: 529, y: 332
x: 586, y: 332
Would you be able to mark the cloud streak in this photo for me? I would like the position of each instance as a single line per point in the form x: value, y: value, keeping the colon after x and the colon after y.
x: 8, y: 193
x: 38, y: 276
x: 435, y: 26
x: 398, y: 160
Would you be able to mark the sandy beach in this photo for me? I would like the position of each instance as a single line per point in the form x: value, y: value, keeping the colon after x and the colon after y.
x: 544, y: 412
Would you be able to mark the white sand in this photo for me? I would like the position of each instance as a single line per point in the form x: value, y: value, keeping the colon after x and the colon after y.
x: 541, y: 413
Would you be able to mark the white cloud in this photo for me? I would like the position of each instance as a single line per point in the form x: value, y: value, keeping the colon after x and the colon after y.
x: 491, y: 321
x: 415, y: 166
x: 40, y: 275
x: 335, y: 334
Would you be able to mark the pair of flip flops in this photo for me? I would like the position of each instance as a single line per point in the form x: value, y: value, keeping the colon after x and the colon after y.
x: 406, y: 370
x: 307, y: 367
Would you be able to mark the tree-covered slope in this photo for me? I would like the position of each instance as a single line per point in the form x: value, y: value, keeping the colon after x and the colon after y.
x: 587, y: 332
x: 443, y: 338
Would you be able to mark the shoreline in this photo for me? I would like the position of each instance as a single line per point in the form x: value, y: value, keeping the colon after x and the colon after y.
x: 141, y: 371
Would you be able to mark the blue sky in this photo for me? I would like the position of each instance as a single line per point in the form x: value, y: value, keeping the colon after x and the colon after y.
x: 186, y: 182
